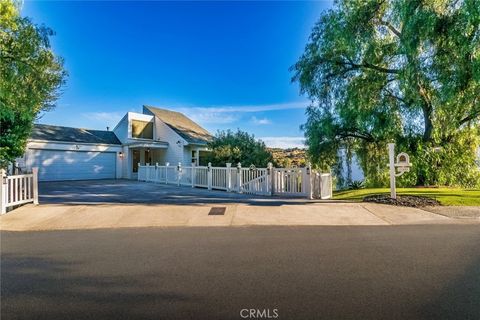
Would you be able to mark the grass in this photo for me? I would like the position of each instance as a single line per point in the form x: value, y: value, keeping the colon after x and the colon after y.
x: 446, y: 196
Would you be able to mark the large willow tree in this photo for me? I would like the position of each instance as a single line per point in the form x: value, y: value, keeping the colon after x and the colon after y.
x: 396, y: 71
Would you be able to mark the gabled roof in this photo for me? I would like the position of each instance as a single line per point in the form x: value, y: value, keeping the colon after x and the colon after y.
x: 182, y: 125
x: 68, y: 134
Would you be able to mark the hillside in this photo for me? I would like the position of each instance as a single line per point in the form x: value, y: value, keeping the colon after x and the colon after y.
x: 289, y: 157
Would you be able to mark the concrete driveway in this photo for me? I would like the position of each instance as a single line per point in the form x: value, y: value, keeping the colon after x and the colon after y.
x: 131, y: 191
x: 125, y: 204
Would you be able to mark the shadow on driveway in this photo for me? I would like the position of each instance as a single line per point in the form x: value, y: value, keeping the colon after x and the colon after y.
x: 130, y: 191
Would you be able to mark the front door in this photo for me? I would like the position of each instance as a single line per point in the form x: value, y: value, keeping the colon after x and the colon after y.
x: 148, y: 157
x: 135, y: 160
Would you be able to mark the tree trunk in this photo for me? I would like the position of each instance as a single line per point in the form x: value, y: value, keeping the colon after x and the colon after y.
x: 428, y: 123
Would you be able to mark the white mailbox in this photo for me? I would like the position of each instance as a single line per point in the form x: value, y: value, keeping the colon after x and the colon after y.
x: 403, y: 159
x: 402, y: 165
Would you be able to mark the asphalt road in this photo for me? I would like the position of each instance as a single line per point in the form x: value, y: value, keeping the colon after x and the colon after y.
x: 394, y: 272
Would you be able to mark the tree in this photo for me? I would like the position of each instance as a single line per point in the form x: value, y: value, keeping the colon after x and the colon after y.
x: 379, y: 71
x: 233, y: 147
x: 30, y: 78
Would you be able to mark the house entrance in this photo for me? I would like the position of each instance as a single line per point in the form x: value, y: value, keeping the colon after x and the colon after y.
x: 142, y: 156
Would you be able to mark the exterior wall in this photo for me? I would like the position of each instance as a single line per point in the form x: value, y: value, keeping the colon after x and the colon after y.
x: 120, y: 164
x: 158, y: 156
x: 174, y: 153
x: 73, y: 146
x: 161, y: 132
x: 126, y: 163
x: 357, y: 172
x: 123, y: 130
x: 187, y: 156
x: 178, y: 149
x: 187, y: 153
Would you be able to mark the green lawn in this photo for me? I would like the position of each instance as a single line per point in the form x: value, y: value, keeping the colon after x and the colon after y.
x: 446, y: 196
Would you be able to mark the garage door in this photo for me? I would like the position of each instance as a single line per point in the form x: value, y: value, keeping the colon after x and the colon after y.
x: 72, y: 165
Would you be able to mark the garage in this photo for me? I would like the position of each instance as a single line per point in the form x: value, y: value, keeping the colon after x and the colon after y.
x: 65, y: 153
x: 57, y: 165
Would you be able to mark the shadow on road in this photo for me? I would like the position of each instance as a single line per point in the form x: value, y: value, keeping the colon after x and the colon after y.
x: 46, y: 288
x: 394, y: 272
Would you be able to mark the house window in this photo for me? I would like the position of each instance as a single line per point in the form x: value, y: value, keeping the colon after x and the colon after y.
x: 194, y: 156
x: 142, y: 129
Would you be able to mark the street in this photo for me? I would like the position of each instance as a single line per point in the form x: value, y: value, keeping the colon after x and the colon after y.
x: 341, y: 272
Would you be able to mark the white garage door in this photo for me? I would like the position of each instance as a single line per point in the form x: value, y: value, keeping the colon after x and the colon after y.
x: 72, y: 165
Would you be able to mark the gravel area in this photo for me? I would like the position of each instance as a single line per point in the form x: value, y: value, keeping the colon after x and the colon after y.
x: 408, y: 201
x: 460, y: 212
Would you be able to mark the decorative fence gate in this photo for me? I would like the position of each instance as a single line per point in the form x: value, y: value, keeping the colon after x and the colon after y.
x: 18, y: 189
x: 303, y: 182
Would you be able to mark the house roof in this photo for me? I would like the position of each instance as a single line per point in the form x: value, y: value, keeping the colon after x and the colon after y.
x: 182, y: 125
x: 68, y: 134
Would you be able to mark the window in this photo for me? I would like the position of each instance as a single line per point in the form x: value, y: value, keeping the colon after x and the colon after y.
x: 142, y: 129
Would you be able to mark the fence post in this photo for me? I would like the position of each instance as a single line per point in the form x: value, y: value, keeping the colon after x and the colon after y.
x: 331, y: 185
x: 209, y: 176
x: 269, y: 180
x: 156, y: 172
x: 308, y: 181
x: 193, y: 174
x: 239, y: 177
x: 3, y: 191
x: 391, y: 158
x: 179, y: 173
x: 166, y: 172
x: 35, y: 185
x: 229, y: 177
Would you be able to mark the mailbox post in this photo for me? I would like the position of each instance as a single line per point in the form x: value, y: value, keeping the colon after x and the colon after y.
x: 402, y: 165
x: 391, y: 160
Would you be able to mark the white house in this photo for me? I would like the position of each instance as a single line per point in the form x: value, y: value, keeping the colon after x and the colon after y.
x: 154, y: 136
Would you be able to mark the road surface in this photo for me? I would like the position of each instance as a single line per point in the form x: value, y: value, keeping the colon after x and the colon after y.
x: 376, y: 272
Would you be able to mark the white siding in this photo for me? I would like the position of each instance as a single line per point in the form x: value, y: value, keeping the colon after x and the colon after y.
x: 121, y: 129
x: 187, y: 152
x: 174, y: 153
x: 187, y: 156
x: 125, y: 166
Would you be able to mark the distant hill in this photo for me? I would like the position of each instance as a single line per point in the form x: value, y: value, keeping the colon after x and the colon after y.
x: 289, y: 157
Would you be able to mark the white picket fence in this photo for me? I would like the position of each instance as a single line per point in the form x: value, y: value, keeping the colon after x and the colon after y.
x: 303, y: 182
x: 18, y: 189
x: 322, y: 185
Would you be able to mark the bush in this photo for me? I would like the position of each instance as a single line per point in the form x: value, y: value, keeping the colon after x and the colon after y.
x: 233, y: 147
x: 356, y: 184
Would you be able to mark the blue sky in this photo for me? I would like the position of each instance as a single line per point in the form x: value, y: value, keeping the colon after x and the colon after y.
x: 224, y: 64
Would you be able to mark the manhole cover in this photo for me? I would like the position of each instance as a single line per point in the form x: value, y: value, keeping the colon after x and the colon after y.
x: 217, y: 211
